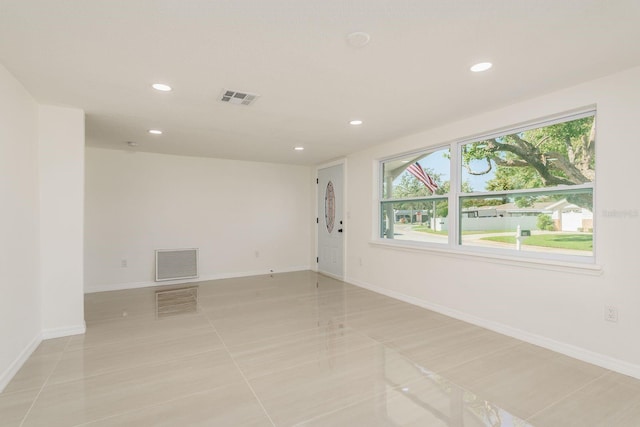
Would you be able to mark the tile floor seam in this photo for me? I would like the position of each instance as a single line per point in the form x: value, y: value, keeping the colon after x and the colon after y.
x: 510, y: 346
x: 153, y: 405
x: 420, y: 368
x: 394, y: 338
x: 353, y: 404
x: 535, y: 413
x: 288, y: 334
x: 10, y: 393
x: 112, y: 318
x: 280, y: 337
x: 333, y: 411
x: 297, y: 365
x: 253, y: 356
x: 566, y: 396
x: 446, y: 378
x: 159, y: 341
x: 364, y: 334
x: 242, y: 373
x: 463, y: 389
x: 126, y: 317
x: 35, y: 399
x: 147, y: 364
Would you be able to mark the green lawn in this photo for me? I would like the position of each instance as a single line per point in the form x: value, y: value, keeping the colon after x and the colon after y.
x: 579, y: 242
x: 425, y: 229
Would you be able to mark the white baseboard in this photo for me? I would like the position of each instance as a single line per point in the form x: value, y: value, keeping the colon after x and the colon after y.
x: 13, y: 369
x: 203, y: 278
x: 575, y: 352
x: 45, y: 334
x: 333, y: 276
x: 66, y: 331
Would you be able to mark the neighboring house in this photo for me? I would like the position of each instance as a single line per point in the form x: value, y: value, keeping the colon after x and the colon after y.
x: 565, y: 215
x: 569, y: 217
x: 411, y: 215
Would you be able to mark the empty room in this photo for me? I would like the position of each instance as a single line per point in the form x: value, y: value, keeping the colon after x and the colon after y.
x: 319, y: 213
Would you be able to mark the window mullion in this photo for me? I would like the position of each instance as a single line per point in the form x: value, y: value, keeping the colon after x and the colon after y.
x: 454, y: 195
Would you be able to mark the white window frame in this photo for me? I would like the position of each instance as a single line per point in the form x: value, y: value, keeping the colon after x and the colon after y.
x: 455, y: 195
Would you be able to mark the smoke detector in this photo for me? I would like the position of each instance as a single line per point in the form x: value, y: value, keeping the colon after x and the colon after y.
x: 237, y: 97
x: 358, y: 39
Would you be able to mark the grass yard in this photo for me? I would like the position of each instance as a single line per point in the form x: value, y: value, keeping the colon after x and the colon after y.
x: 425, y: 229
x: 579, y: 242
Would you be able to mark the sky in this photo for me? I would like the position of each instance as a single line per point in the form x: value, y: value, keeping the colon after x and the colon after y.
x: 439, y: 164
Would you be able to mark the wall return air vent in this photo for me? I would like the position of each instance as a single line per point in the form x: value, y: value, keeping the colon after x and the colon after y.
x: 175, y: 264
x: 237, y: 97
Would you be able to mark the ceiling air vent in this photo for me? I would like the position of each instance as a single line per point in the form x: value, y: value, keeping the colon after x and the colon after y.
x: 240, y: 98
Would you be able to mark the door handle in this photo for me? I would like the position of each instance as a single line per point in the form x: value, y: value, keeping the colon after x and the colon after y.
x: 339, y: 230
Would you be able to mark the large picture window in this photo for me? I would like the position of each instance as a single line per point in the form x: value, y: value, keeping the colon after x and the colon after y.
x: 528, y: 191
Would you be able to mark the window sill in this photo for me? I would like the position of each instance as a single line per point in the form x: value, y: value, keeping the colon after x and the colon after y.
x: 537, y: 263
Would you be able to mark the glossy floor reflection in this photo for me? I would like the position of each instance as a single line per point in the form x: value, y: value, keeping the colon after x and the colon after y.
x: 300, y: 349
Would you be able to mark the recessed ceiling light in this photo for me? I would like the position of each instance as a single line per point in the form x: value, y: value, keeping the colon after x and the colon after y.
x: 298, y: 148
x: 355, y: 122
x: 481, y: 66
x: 155, y: 132
x: 161, y: 87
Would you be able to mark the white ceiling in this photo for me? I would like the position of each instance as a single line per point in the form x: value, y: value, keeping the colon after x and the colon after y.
x: 103, y: 55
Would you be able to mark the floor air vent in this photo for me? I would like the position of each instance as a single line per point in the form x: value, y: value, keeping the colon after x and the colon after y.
x: 174, y: 264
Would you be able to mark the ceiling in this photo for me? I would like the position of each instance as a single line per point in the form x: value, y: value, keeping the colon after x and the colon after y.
x: 103, y: 55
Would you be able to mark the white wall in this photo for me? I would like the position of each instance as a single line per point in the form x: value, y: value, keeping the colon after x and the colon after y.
x: 41, y: 181
x: 561, y: 308
x: 245, y: 217
x: 61, y: 181
x: 20, y: 294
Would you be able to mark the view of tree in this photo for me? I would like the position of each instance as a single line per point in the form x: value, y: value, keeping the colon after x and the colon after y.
x: 409, y: 186
x: 476, y: 202
x: 560, y: 154
x: 532, y: 172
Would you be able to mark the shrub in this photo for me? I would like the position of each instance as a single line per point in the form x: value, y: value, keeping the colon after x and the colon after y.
x: 545, y: 222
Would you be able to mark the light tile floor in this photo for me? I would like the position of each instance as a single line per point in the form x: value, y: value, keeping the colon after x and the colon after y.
x: 302, y: 349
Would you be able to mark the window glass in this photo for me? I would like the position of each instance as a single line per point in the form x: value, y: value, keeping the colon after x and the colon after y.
x: 413, y: 206
x: 529, y: 190
x: 549, y: 156
x: 558, y: 223
x: 417, y: 175
x: 417, y: 220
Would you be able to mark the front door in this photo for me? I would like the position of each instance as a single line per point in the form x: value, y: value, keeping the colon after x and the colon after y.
x: 330, y: 221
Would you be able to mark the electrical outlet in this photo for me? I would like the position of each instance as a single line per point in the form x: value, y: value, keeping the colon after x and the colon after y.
x: 123, y: 263
x: 610, y: 313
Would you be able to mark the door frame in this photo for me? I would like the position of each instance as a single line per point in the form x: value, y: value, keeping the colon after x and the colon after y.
x: 345, y: 216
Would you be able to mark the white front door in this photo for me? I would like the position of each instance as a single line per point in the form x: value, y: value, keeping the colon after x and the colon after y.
x: 330, y: 221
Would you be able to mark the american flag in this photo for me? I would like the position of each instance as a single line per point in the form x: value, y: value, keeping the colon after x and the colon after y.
x: 417, y: 171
